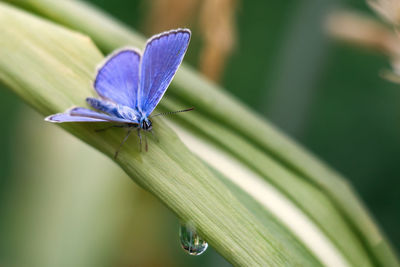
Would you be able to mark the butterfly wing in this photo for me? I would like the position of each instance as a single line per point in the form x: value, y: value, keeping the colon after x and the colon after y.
x: 83, y: 115
x: 118, y: 78
x: 161, y: 58
x: 103, y: 105
x: 65, y: 117
x: 113, y: 109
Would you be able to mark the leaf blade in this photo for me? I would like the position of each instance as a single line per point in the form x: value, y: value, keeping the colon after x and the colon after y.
x: 54, y: 77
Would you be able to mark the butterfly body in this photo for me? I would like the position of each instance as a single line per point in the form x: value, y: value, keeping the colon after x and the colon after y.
x: 131, y: 84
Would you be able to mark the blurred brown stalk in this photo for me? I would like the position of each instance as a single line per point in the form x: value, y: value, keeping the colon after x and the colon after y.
x: 368, y: 32
x: 360, y: 30
x: 216, y: 22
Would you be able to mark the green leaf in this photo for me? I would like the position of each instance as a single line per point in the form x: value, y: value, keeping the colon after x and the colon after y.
x: 51, y: 68
x: 315, y: 216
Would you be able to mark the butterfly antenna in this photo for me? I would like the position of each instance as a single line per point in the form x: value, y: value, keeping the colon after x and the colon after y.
x: 123, y: 141
x: 171, y: 112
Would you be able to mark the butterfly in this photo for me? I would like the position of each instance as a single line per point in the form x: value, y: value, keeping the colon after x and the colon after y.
x: 131, y: 85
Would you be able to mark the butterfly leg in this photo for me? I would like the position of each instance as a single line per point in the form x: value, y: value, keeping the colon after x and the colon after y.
x: 112, y: 126
x: 146, y: 147
x: 140, y: 139
x: 123, y: 141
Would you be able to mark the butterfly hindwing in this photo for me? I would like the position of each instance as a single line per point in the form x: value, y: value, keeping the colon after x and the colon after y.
x: 161, y: 58
x: 79, y: 114
x: 118, y: 78
x: 84, y: 112
x: 66, y: 117
x: 103, y: 105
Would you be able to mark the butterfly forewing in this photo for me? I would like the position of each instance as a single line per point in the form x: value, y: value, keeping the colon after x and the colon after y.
x: 118, y: 78
x: 162, y: 56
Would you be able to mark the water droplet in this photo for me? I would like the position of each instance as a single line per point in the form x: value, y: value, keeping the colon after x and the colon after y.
x: 191, y: 242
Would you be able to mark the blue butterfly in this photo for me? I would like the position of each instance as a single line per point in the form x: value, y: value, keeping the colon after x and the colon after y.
x: 130, y: 85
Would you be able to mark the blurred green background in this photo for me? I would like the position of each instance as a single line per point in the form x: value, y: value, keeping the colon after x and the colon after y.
x: 326, y: 95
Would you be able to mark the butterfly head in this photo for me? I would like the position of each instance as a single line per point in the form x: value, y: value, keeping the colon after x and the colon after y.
x: 146, y: 124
